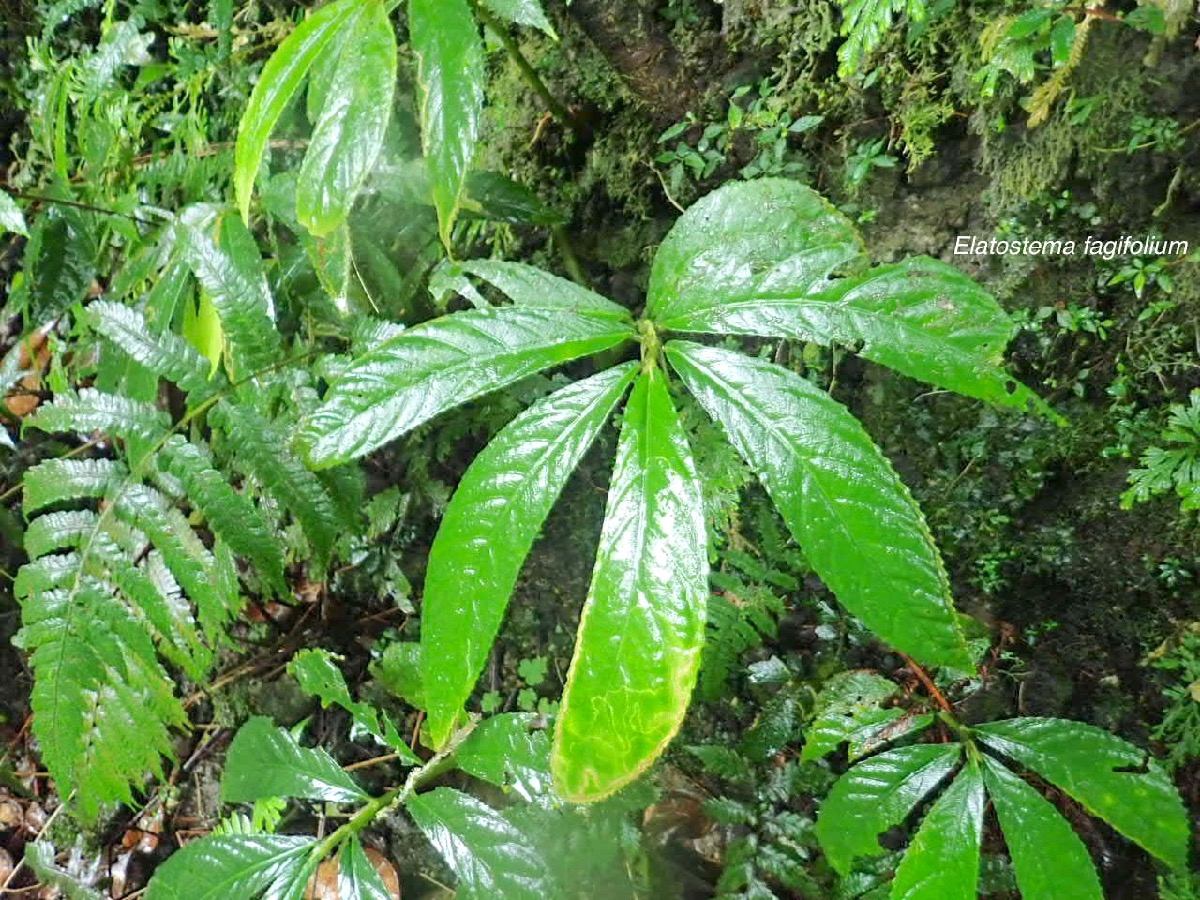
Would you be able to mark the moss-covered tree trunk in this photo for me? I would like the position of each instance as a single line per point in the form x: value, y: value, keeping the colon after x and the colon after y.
x: 638, y: 48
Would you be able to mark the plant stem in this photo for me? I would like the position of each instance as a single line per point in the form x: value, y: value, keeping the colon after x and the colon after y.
x: 74, y: 204
x: 928, y: 684
x: 557, y: 109
x: 567, y: 250
x: 651, y: 344
x: 395, y: 797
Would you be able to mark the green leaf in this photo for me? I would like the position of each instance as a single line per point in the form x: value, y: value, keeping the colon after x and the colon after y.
x: 1111, y: 778
x: 348, y: 136
x: 1062, y: 39
x: 488, y: 856
x: 1153, y: 20
x: 492, y: 196
x: 921, y: 317
x: 1048, y: 858
x: 747, y: 241
x: 91, y: 410
x: 638, y: 648
x: 534, y: 288
x: 220, y: 15
x: 265, y: 761
x: 438, y: 365
x: 190, y: 561
x: 201, y: 328
x: 97, y: 683
x: 71, y: 882
x: 849, y: 709
x: 489, y: 528
x: 399, y: 669
x: 165, y: 354
x: 58, y: 480
x: 522, y: 12
x: 316, y: 673
x: 321, y: 80
x: 878, y: 794
x: 450, y: 79
x: 509, y: 751
x: 107, y: 560
x: 257, y: 866
x: 11, y: 217
x: 58, y: 264
x: 357, y: 878
x: 856, y: 521
x: 281, y: 79
x: 942, y: 862
x: 230, y: 268
x: 230, y: 515
x: 262, y: 449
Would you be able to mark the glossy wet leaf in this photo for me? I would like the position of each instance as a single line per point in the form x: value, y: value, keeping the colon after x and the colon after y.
x: 1111, y: 778
x: 1048, y: 858
x: 11, y: 217
x: 265, y: 761
x: 922, y: 317
x: 263, y: 452
x: 942, y: 862
x: 851, y: 709
x: 438, y: 365
x: 878, y: 794
x: 93, y: 410
x: 317, y: 675
x: 510, y: 751
x: 320, y: 79
x: 259, y: 866
x: 638, y: 647
x: 230, y: 514
x: 357, y: 878
x: 856, y: 521
x: 535, y: 288
x: 522, y: 12
x: 864, y: 730
x: 227, y: 263
x: 202, y: 330
x: 493, y: 196
x: 747, y: 241
x: 165, y: 354
x: 489, y: 528
x: 280, y: 80
x: 489, y: 857
x: 450, y: 79
x: 348, y: 136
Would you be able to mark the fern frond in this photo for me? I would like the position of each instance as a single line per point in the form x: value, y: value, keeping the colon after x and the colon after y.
x: 91, y: 410
x: 226, y: 261
x: 166, y: 355
x: 262, y: 451
x: 1174, y: 467
x: 114, y: 569
x: 230, y: 515
x: 104, y: 705
x: 194, y: 567
x: 736, y: 625
x: 57, y: 480
x: 258, y: 446
x: 866, y: 23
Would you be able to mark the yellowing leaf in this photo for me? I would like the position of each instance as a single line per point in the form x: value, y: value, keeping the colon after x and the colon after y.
x: 639, y: 641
